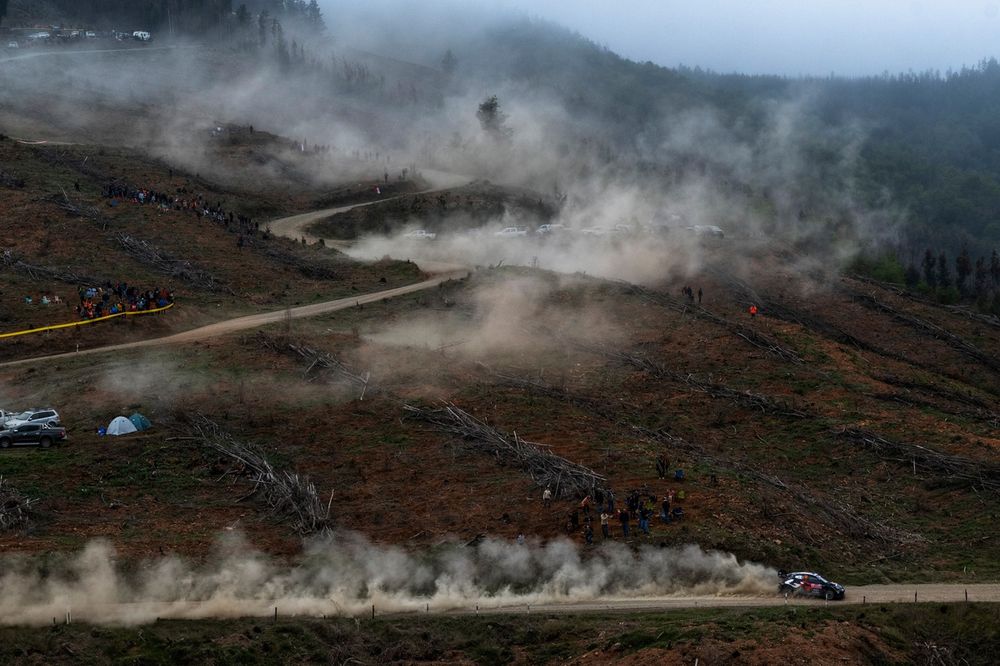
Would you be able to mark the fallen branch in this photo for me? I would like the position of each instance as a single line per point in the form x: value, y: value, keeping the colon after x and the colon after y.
x: 287, y: 494
x: 76, y: 208
x: 969, y: 472
x: 314, y: 358
x: 961, y: 310
x: 833, y: 513
x: 926, y: 327
x: 10, y: 259
x: 179, y: 269
x: 567, y: 479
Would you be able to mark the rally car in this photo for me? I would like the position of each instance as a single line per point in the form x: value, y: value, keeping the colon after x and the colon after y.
x: 808, y: 584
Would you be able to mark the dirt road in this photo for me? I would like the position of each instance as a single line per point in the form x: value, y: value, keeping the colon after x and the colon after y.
x: 294, y: 227
x: 867, y: 594
x: 228, y: 607
x: 291, y: 227
x: 251, y: 321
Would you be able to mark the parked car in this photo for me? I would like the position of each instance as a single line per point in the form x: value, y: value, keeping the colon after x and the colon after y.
x: 33, y: 416
x: 32, y: 434
x: 707, y: 231
x: 420, y: 234
x: 809, y: 584
x: 13, y: 45
x: 594, y: 231
x: 547, y: 229
x: 142, y: 36
x: 512, y: 232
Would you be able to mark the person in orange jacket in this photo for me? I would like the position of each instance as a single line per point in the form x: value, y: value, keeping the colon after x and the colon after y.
x: 753, y: 310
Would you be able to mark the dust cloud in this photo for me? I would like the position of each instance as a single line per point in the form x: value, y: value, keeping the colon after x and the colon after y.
x: 516, y: 314
x: 345, y: 574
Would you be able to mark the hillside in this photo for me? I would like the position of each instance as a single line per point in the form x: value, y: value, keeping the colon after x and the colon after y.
x: 350, y: 422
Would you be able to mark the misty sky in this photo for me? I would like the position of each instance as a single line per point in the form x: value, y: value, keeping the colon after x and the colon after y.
x: 847, y: 37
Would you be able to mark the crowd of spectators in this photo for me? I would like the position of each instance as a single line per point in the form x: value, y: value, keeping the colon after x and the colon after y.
x: 182, y: 200
x: 120, y: 297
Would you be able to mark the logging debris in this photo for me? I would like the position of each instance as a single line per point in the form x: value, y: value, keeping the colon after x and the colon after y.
x: 11, y: 260
x: 966, y: 471
x: 833, y: 513
x: 179, y: 269
x: 756, y: 401
x: 750, y: 335
x: 287, y: 494
x: 566, y: 479
x: 15, y: 508
x: 315, y: 358
x: 925, y: 327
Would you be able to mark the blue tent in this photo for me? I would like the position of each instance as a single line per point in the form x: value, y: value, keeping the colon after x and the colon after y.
x: 140, y: 422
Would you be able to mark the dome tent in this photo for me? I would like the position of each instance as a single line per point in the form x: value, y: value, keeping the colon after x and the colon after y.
x: 120, y: 426
x: 140, y: 422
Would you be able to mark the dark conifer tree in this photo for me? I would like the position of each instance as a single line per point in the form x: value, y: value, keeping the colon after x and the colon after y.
x: 943, y: 274
x: 930, y: 276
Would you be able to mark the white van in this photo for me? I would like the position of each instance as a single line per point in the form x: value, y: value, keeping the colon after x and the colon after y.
x: 142, y: 35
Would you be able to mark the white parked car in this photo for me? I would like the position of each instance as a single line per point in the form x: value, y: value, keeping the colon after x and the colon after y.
x: 547, y: 229
x: 420, y: 234
x: 594, y: 231
x: 33, y: 416
x: 142, y: 36
x: 13, y: 45
x: 512, y: 232
x: 708, y: 230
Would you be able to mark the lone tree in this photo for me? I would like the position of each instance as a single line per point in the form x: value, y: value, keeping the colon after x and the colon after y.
x: 493, y: 120
x: 449, y: 62
x: 930, y: 277
x: 943, y: 274
x: 963, y: 268
x: 314, y: 16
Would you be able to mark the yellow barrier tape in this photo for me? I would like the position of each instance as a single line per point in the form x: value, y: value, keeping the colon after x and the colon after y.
x: 84, y: 322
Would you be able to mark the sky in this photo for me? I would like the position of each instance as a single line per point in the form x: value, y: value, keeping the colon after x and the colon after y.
x: 790, y: 37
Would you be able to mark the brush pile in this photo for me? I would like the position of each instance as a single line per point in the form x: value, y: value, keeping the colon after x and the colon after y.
x: 315, y: 358
x: 288, y: 495
x: 15, y: 508
x: 567, y: 479
x: 76, y: 209
x: 179, y: 269
x: 11, y: 181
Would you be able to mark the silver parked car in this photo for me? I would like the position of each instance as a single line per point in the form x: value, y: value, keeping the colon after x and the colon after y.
x: 34, y: 417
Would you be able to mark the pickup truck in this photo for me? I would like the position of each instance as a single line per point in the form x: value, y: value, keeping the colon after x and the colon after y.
x: 32, y: 434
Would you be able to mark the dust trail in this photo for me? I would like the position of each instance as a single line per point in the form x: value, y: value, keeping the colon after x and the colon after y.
x: 345, y: 574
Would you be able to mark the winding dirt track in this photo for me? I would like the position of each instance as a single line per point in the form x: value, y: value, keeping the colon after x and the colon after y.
x: 291, y: 227
x: 867, y: 594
